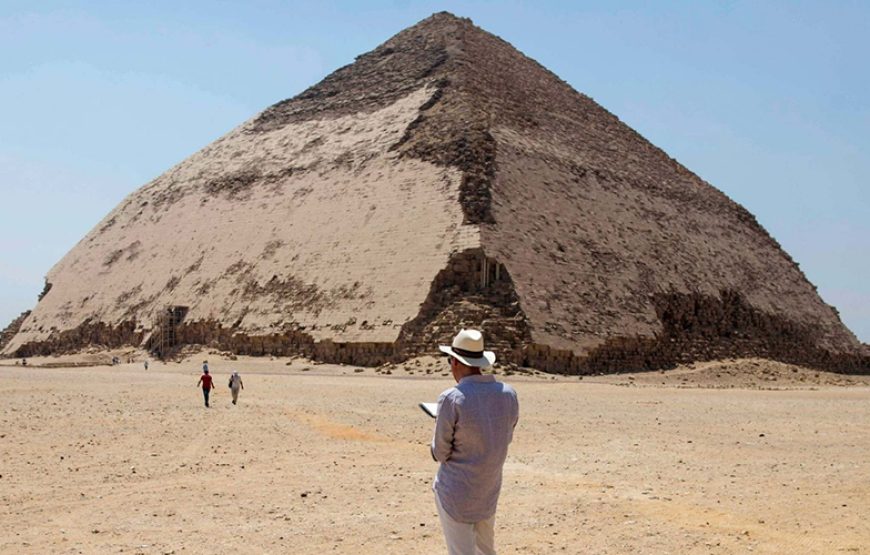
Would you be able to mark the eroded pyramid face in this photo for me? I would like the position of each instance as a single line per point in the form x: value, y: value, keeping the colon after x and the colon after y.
x: 442, y: 180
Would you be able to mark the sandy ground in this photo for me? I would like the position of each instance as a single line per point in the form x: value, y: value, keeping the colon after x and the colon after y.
x: 730, y: 457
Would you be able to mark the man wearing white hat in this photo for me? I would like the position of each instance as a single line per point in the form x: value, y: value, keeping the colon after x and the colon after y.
x: 474, y: 425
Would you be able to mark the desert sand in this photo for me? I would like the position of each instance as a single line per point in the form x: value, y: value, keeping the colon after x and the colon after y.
x: 729, y: 457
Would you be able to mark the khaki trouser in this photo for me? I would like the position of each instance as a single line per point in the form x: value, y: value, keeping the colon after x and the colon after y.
x: 467, y: 538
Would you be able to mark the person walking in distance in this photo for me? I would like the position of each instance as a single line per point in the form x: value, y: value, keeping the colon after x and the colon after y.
x: 473, y: 427
x: 207, y: 384
x: 235, y: 385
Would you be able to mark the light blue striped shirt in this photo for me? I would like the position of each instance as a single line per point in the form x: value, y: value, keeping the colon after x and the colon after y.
x: 475, y: 424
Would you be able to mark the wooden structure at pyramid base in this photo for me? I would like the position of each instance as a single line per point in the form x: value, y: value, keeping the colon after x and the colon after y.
x: 165, y: 337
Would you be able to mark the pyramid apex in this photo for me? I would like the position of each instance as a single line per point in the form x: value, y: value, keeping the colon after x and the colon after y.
x: 445, y: 15
x: 442, y: 19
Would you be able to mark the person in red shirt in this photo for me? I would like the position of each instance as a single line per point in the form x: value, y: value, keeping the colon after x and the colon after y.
x: 207, y: 384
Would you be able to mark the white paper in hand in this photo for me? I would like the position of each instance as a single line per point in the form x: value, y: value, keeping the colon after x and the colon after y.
x: 430, y: 408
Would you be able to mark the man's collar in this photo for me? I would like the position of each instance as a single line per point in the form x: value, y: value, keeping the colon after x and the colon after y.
x: 478, y: 378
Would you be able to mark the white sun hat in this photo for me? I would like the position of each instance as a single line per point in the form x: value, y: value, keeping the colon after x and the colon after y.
x: 467, y: 348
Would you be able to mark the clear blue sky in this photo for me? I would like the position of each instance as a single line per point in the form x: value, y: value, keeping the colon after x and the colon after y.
x: 768, y: 101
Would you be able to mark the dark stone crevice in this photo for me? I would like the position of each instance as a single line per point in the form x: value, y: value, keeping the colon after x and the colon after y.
x: 9, y: 331
x: 700, y: 328
x: 472, y: 291
x: 86, y: 334
x: 46, y: 288
x: 472, y: 151
x: 169, y: 343
x: 290, y: 342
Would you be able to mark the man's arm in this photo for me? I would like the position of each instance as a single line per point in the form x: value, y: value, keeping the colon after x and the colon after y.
x: 445, y: 424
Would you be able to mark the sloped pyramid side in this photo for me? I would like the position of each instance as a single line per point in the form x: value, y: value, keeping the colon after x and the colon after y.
x: 607, y: 238
x: 304, y: 225
x: 313, y: 227
x: 619, y: 256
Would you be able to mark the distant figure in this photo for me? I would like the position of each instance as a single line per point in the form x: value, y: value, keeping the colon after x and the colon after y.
x: 205, y: 366
x: 207, y: 384
x: 235, y: 385
x: 146, y: 365
x: 474, y: 425
x: 23, y: 362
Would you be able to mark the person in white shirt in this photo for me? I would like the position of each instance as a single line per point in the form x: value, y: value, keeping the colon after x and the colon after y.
x: 236, y: 385
x: 474, y: 425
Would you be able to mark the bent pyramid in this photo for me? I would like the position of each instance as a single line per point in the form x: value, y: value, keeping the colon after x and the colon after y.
x: 442, y: 179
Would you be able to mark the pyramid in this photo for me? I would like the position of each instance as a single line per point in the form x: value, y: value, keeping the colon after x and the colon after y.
x: 441, y: 180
